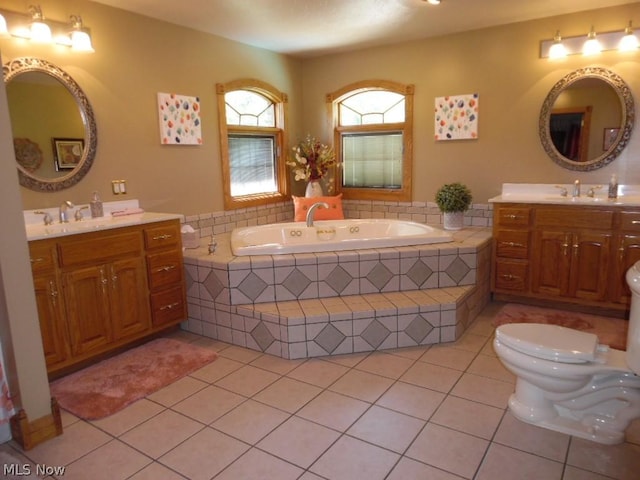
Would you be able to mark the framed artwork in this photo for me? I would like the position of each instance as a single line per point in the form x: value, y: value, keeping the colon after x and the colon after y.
x: 179, y: 117
x: 609, y: 137
x: 67, y: 152
x: 456, y: 117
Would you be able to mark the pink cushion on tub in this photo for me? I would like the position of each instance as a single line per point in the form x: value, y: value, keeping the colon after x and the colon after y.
x: 334, y: 212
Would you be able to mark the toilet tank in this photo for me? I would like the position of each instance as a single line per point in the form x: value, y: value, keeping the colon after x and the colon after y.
x: 633, y: 336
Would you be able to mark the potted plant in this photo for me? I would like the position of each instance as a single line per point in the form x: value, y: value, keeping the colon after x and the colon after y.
x: 453, y: 199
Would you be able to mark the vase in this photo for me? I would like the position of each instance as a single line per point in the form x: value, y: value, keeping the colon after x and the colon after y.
x: 453, y: 220
x: 314, y: 189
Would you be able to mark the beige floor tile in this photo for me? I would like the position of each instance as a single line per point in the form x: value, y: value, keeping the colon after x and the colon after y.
x: 529, y: 438
x: 275, y: 364
x: 204, y: 455
x: 449, y: 357
x: 488, y: 349
x: 621, y: 461
x: 431, y: 376
x: 573, y: 473
x: 347, y: 360
x: 318, y: 372
x: 77, y: 440
x: 251, y: 421
x: 483, y: 324
x: 67, y: 418
x: 158, y: 435
x: 288, y: 394
x: 467, y: 416
x: 113, y: 461
x: 129, y: 417
x: 412, y: 400
x: 240, y: 354
x: 247, y: 380
x: 386, y: 428
x: 310, y: 476
x: 362, y: 385
x: 209, y: 404
x: 505, y: 463
x: 408, y: 469
x: 214, y: 371
x: 492, y: 367
x: 412, y: 353
x: 333, y: 410
x: 211, y: 344
x: 298, y: 441
x: 155, y: 471
x: 453, y: 451
x: 471, y: 342
x: 177, y: 391
x: 387, y: 365
x: 482, y: 389
x: 350, y: 458
x: 256, y: 464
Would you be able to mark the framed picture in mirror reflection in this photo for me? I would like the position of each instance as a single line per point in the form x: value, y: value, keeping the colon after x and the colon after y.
x: 609, y: 137
x: 67, y: 152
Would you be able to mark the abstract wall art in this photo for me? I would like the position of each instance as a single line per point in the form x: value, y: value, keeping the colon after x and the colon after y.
x: 456, y: 117
x: 179, y: 117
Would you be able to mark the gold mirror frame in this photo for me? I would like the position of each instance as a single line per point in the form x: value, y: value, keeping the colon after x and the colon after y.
x: 626, y: 122
x: 18, y: 66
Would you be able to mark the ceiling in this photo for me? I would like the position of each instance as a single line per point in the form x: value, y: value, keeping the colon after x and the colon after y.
x: 306, y: 28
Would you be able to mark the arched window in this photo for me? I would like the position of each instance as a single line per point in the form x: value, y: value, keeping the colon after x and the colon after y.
x: 373, y: 138
x: 252, y: 143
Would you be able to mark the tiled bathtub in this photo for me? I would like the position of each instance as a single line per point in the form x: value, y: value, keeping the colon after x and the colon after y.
x: 306, y: 305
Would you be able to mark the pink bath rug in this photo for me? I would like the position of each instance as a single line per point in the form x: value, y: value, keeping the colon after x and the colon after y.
x: 610, y: 331
x: 107, y: 387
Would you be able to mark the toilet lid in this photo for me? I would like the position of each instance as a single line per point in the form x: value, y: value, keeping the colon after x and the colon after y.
x: 549, y: 342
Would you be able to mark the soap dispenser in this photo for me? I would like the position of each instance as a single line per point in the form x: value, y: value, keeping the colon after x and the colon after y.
x: 96, y: 206
x: 613, y: 187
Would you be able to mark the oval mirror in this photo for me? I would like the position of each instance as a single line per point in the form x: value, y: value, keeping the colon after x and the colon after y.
x: 54, y: 129
x: 586, y: 119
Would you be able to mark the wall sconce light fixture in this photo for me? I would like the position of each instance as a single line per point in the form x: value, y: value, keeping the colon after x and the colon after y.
x: 35, y: 28
x: 622, y: 40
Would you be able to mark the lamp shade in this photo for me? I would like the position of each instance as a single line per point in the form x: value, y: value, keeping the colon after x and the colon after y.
x: 81, y: 41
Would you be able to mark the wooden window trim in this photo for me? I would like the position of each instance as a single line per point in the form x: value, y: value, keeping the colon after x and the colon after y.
x: 333, y: 99
x: 280, y: 101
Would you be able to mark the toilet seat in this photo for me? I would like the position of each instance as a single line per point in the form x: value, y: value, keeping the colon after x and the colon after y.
x: 549, y: 342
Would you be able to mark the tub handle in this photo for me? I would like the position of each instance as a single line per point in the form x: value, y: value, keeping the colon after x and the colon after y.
x: 354, y: 229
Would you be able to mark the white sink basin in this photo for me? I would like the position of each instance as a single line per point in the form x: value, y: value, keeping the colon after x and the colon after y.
x: 549, y: 193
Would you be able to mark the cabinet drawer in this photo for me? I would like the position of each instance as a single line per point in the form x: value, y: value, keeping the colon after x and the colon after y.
x: 164, y: 269
x: 97, y: 248
x: 512, y: 244
x: 630, y: 221
x: 511, y: 275
x: 168, y: 307
x: 42, y: 255
x: 164, y: 235
x: 574, y: 218
x: 513, y: 216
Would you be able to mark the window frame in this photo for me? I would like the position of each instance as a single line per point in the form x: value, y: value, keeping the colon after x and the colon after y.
x: 384, y: 194
x: 279, y: 132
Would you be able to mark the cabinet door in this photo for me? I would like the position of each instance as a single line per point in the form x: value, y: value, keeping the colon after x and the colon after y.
x: 129, y: 297
x: 589, y: 265
x: 628, y: 253
x: 51, y: 316
x: 87, y: 306
x: 551, y: 261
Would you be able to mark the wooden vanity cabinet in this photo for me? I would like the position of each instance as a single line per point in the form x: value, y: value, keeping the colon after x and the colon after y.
x: 106, y: 301
x: 574, y: 254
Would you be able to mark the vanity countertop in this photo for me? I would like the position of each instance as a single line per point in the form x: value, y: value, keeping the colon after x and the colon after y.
x: 548, y: 193
x: 37, y: 230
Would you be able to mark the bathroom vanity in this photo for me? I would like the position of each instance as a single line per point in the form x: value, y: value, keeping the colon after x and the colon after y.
x: 102, y: 286
x: 554, y: 249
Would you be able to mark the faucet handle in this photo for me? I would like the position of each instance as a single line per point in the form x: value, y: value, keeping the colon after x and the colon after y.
x: 592, y: 191
x: 78, y: 215
x: 563, y: 190
x: 48, y: 219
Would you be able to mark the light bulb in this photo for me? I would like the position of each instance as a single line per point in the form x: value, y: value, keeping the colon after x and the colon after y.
x: 3, y: 26
x: 629, y: 42
x: 557, y: 50
x: 592, y: 46
x: 40, y: 31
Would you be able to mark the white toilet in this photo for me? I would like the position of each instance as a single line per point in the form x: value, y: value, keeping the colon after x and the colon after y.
x: 567, y: 382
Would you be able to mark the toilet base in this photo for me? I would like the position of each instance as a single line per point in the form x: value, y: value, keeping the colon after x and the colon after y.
x: 565, y: 425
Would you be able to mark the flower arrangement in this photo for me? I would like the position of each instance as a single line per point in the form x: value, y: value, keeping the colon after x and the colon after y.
x: 312, y: 159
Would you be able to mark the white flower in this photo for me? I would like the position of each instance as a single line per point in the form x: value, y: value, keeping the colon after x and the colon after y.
x: 300, y: 174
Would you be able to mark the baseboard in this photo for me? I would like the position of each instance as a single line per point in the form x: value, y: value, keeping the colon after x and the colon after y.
x: 29, y: 434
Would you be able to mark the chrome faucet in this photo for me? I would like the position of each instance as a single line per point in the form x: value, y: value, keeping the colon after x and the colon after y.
x: 64, y: 218
x: 576, y: 188
x: 312, y: 210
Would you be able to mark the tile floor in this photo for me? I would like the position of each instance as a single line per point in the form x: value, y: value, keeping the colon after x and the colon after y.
x: 434, y: 412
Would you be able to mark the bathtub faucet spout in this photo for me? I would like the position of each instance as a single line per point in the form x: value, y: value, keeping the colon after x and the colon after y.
x: 312, y: 211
